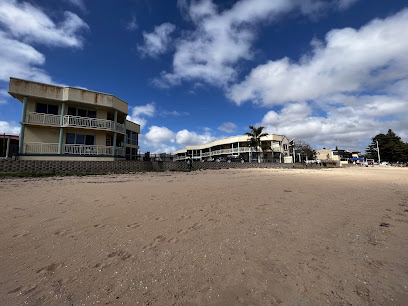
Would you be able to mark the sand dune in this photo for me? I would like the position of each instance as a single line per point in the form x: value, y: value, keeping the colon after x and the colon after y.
x: 220, y: 237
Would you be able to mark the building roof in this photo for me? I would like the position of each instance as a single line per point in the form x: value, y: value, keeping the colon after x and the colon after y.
x: 19, y: 88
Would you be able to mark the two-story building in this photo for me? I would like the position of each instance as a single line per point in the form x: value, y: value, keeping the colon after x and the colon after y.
x: 274, y: 148
x: 68, y: 123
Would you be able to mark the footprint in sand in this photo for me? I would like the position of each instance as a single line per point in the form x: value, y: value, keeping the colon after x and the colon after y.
x: 23, y: 289
x: 133, y: 225
x: 50, y: 268
x: 113, y: 258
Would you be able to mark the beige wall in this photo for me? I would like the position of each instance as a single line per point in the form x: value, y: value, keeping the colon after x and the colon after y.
x: 41, y: 134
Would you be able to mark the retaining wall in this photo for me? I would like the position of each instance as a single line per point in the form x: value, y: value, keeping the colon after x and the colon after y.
x: 41, y: 166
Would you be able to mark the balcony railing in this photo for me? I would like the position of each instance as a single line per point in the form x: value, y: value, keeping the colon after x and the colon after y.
x: 75, y: 149
x: 93, y: 123
x: 45, y: 119
x: 75, y: 121
x: 41, y: 148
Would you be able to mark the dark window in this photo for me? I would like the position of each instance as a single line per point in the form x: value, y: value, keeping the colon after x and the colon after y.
x: 46, y: 108
x: 73, y: 138
x: 82, y: 112
x: 109, y: 116
x: 41, y: 108
x: 134, y: 139
x: 90, y: 140
x: 92, y: 114
x: 128, y: 136
x: 72, y: 111
x: 70, y: 138
x: 52, y: 109
x: 80, y: 139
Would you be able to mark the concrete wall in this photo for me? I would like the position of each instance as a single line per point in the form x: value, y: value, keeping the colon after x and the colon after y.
x: 41, y: 134
x: 18, y: 166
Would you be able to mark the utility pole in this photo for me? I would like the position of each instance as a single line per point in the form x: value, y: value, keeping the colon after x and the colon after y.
x: 378, y: 152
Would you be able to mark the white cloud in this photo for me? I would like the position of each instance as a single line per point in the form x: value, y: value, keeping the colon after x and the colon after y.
x: 220, y: 40
x: 19, y: 59
x: 24, y: 24
x: 159, y: 134
x: 349, y: 126
x: 349, y: 61
x: 9, y: 128
x: 132, y: 24
x: 157, y: 42
x: 78, y: 3
x: 345, y: 4
x: 228, y: 127
x: 162, y: 139
x: 139, y: 114
x: 30, y: 24
x: 3, y: 95
x: 185, y: 137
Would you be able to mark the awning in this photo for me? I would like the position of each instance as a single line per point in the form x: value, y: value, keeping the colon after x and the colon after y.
x: 356, y: 158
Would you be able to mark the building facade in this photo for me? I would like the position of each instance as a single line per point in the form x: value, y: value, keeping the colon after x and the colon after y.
x: 275, y: 149
x: 73, y: 123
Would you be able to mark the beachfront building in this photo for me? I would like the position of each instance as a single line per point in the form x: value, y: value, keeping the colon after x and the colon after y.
x: 275, y: 149
x: 341, y: 156
x: 68, y: 123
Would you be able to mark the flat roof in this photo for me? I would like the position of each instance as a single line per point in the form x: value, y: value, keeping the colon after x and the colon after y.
x: 73, y: 87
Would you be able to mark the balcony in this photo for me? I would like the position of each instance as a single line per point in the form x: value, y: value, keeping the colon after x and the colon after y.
x: 74, y: 121
x: 74, y: 149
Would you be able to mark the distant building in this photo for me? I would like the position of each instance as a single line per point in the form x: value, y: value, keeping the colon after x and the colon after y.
x: 8, y: 145
x: 68, y: 123
x: 342, y: 156
x: 277, y: 149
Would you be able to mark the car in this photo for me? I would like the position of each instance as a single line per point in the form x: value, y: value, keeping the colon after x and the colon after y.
x: 235, y: 158
x: 220, y: 159
x: 384, y: 163
x: 210, y: 159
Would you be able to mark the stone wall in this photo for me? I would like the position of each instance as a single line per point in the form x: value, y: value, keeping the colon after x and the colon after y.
x: 19, y: 166
x: 42, y: 166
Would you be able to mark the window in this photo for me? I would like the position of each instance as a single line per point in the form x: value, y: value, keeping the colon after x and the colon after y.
x: 134, y: 139
x: 46, y: 108
x: 73, y: 111
x: 73, y: 138
x: 285, y: 146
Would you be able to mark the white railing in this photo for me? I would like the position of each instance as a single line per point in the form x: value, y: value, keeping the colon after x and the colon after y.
x: 74, y: 121
x: 41, y: 148
x: 93, y: 123
x: 120, y: 128
x: 45, y: 119
x: 79, y: 149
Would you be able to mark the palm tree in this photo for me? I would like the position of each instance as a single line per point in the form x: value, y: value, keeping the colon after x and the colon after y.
x: 254, y: 139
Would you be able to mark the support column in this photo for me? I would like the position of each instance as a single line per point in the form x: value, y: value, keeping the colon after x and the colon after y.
x: 114, y: 133
x: 61, y: 136
x: 8, y: 147
x: 125, y: 140
x: 23, y: 120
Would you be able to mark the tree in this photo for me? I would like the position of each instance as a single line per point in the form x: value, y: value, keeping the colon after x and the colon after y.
x: 254, y: 140
x: 392, y: 148
x: 305, y: 150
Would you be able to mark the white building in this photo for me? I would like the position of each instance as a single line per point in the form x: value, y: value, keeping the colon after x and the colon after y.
x: 275, y: 148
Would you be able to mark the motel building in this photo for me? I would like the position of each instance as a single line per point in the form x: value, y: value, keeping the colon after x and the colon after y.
x: 68, y: 123
x: 276, y: 149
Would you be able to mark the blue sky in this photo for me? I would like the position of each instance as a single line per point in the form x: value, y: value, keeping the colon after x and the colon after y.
x: 331, y: 73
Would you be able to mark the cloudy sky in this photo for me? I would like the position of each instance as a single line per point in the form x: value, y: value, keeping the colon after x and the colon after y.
x: 329, y: 72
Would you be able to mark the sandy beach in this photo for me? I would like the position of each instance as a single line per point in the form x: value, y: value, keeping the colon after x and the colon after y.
x: 213, y: 237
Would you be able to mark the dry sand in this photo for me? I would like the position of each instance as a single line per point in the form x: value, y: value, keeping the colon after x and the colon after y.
x: 214, y: 237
